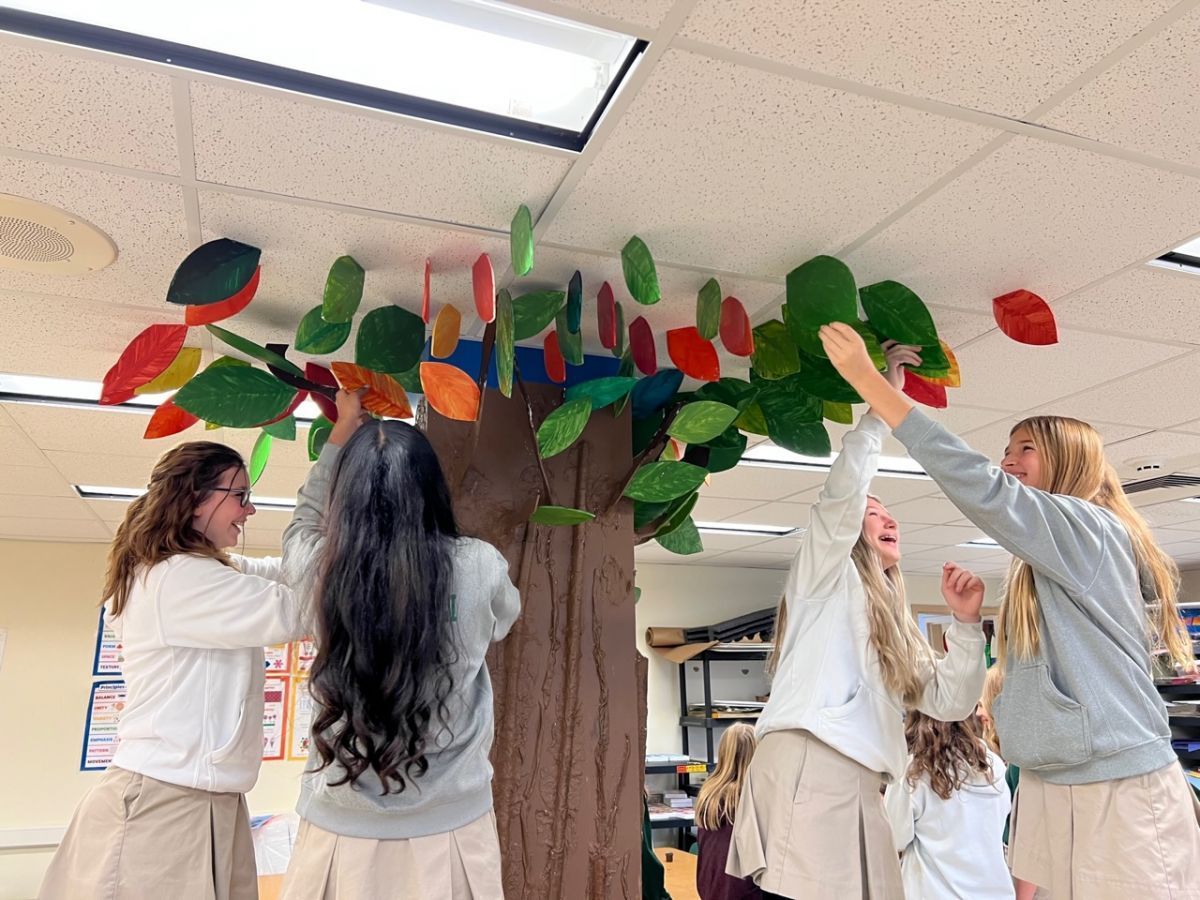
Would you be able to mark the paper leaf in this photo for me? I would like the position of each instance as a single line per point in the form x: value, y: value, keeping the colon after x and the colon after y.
x: 450, y: 391
x: 602, y: 391
x: 563, y: 427
x: 318, y: 374
x: 533, y: 312
x: 842, y: 413
x: 315, y: 335
x: 225, y: 309
x: 284, y: 429
x: 819, y: 378
x: 505, y: 349
x: 318, y: 434
x: 640, y: 275
x: 343, y: 290
x: 384, y: 397
x: 673, y: 450
x: 575, y: 303
x: 624, y: 370
x: 483, y: 282
x: 653, y: 393
x: 297, y: 398
x: 390, y: 339
x: 176, y: 375
x: 521, y: 242
x: 819, y: 292
x: 1025, y: 317
x: 753, y: 420
x: 168, y: 419
x: 775, y: 353
x: 644, y: 513
x: 560, y: 515
x: 934, y: 362
x: 730, y: 391
x: 142, y: 360
x: 953, y: 378
x: 425, y: 292
x: 556, y: 366
x: 735, y: 328
x: 898, y: 313
x: 569, y: 342
x: 619, y: 348
x: 923, y: 391
x: 684, y: 540
x: 642, y: 430
x: 606, y: 316
x: 692, y: 354
x: 641, y: 344
x: 259, y: 456
x: 708, y: 309
x: 253, y: 350
x: 235, y: 396
x: 810, y: 342
x: 724, y: 451
x: 793, y: 416
x: 677, y: 513
x: 446, y: 330
x: 659, y: 481
x: 213, y: 272
x: 701, y: 420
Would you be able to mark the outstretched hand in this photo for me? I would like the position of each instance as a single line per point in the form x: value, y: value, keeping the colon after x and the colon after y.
x: 350, y: 416
x: 846, y: 350
x: 963, y: 592
x: 898, y: 356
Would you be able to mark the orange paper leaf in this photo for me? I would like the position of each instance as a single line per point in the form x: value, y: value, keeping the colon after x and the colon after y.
x: 385, y: 396
x: 692, y: 354
x: 1025, y: 317
x: 450, y: 391
x: 223, y: 309
x: 446, y: 329
x: 169, y: 419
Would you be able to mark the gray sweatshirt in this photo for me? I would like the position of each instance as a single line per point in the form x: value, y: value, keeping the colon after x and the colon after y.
x: 1085, y: 708
x: 457, y: 788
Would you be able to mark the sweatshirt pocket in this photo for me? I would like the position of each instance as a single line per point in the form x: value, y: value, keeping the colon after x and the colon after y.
x: 856, y: 702
x: 1039, y: 726
x: 239, y: 743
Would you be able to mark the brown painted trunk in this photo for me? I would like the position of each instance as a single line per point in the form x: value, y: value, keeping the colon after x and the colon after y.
x: 569, y: 746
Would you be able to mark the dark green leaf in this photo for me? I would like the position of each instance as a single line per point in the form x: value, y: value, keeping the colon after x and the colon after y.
x: 504, y: 349
x: 774, y: 351
x: 563, y: 426
x: 569, y: 342
x: 410, y: 380
x: 701, y: 420
x: 644, y: 512
x: 821, y: 379
x: 318, y: 434
x: 622, y: 334
x: 602, y: 391
x: 234, y: 396
x: 213, y: 272
x: 640, y: 275
x: 222, y: 361
x: 390, y: 339
x: 680, y: 510
x: 725, y: 451
x: 708, y: 309
x: 809, y: 342
x: 791, y: 414
x: 753, y: 420
x: 819, y: 292
x: 259, y: 456
x: 731, y: 391
x: 653, y: 393
x: 533, y: 312
x: 343, y: 290
x: 521, y: 243
x: 644, y: 430
x: 575, y: 303
x: 624, y: 370
x: 842, y: 413
x: 684, y: 540
x: 253, y: 350
x: 315, y: 335
x: 805, y: 439
x: 658, y: 481
x: 560, y: 515
x: 284, y: 429
x: 897, y: 313
x: 934, y: 362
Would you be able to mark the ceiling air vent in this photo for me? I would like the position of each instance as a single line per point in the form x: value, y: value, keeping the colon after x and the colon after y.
x: 36, y: 237
x: 1164, y: 482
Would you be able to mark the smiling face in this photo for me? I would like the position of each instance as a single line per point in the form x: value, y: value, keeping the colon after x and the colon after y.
x: 882, y: 532
x: 1021, y: 458
x: 220, y: 516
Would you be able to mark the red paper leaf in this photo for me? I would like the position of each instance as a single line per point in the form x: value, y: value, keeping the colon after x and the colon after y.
x: 692, y: 354
x: 1025, y: 317
x: 606, y: 316
x: 641, y: 346
x: 924, y: 391
x: 484, y: 281
x: 143, y: 360
x: 168, y: 419
x: 425, y: 295
x: 296, y: 401
x: 735, y: 328
x: 556, y: 366
x: 318, y: 374
x: 385, y: 396
x: 450, y: 391
x: 224, y: 309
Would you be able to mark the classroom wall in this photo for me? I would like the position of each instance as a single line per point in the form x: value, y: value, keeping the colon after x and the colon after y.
x: 1189, y: 587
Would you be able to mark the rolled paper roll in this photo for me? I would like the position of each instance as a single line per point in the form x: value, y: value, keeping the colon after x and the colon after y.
x: 664, y: 637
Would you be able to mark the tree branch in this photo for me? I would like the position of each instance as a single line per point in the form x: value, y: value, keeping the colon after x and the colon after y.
x: 651, y: 451
x: 533, y: 433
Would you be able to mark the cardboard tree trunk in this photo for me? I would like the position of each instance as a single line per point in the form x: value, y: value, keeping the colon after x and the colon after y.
x: 569, y: 749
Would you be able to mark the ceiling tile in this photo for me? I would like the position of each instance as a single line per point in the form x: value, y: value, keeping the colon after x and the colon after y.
x: 431, y: 172
x: 16, y: 449
x: 925, y: 511
x: 992, y: 439
x: 62, y: 103
x: 957, y: 326
x: 639, y: 12
x: 28, y: 529
x: 758, y: 483
x: 1000, y: 57
x: 1173, y: 513
x: 716, y: 509
x: 777, y: 513
x: 653, y: 552
x: 1026, y: 217
x: 697, y: 166
x: 1144, y: 301
x: 17, y: 505
x: 943, y: 535
x: 119, y: 433
x: 1157, y: 397
x: 30, y: 481
x: 748, y: 559
x: 956, y: 417
x: 1181, y: 451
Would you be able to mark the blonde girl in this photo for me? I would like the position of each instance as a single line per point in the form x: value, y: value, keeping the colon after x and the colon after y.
x: 1103, y: 809
x: 715, y: 809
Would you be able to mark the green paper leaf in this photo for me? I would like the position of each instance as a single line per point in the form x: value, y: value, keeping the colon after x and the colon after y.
x: 390, y: 339
x: 563, y: 427
x: 410, y: 380
x: 640, y: 275
x: 213, y: 272
x: 624, y: 370
x: 560, y: 515
x: 934, y: 362
x: 896, y: 312
x: 684, y: 540
x: 809, y: 342
x: 645, y: 512
x: 318, y: 434
x: 681, y: 509
x: 222, y: 361
x: 521, y: 243
x: 774, y: 351
x: 533, y: 312
x: 658, y: 481
x: 822, y: 380
x: 842, y: 413
x: 253, y: 350
x: 575, y: 303
x: 622, y: 334
x: 570, y: 343
x: 259, y: 456
x: 725, y: 451
x: 234, y: 396
x: 701, y: 420
x: 708, y: 309
x: 637, y: 594
x: 805, y: 439
x: 731, y: 391
x: 819, y: 292
x: 644, y: 430
x: 319, y: 337
x: 752, y: 420
x: 343, y: 290
x: 505, y: 349
x: 284, y: 429
x: 793, y: 415
x: 602, y: 391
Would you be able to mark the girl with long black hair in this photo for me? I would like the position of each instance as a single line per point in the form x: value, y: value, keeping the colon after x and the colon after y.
x: 397, y: 798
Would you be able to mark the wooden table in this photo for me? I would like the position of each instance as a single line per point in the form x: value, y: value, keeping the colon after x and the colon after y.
x: 681, y: 873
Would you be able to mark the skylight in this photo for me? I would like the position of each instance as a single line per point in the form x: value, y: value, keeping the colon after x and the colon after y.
x: 478, y: 64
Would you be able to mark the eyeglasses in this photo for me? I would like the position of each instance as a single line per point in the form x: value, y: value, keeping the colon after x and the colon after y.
x: 242, y: 494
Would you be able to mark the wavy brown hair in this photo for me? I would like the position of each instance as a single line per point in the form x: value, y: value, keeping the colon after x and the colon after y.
x: 992, y: 685
x: 948, y: 752
x: 159, y: 524
x: 718, y: 798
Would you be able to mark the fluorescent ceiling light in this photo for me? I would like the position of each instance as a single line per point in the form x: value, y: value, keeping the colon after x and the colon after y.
x: 1190, y: 500
x: 125, y: 495
x: 477, y: 64
x: 737, y: 528
x: 1184, y: 258
x: 981, y: 543
x: 771, y: 457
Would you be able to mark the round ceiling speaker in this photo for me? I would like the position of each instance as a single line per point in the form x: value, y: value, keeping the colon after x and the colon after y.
x: 37, y: 237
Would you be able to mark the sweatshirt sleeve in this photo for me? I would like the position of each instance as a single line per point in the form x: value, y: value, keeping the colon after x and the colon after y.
x: 954, y: 683
x: 1061, y: 536
x: 305, y: 534
x: 898, y: 804
x: 837, y: 517
x: 506, y: 599
x: 264, y: 567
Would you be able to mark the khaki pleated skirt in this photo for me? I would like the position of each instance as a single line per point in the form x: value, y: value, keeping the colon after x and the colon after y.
x: 811, y: 824
x: 463, y: 864
x: 1111, y: 840
x: 136, y: 838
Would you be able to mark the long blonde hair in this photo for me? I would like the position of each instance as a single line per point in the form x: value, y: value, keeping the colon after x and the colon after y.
x: 718, y: 798
x: 993, y: 682
x: 895, y: 636
x: 1073, y: 463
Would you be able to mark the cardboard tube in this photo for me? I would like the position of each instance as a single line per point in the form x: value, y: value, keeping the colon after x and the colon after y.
x: 664, y: 637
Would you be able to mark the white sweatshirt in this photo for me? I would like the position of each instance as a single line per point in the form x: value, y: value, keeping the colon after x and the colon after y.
x: 828, y: 680
x: 953, y: 848
x: 193, y: 632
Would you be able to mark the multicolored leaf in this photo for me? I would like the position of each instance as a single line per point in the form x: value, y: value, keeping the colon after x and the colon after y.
x: 315, y: 335
x: 176, y: 375
x: 692, y: 354
x: 735, y: 328
x: 318, y: 434
x: 521, y: 242
x: 563, y: 427
x: 1026, y: 318
x: 659, y: 481
x: 606, y: 317
x: 641, y: 345
x: 297, y: 398
x: 168, y: 419
x: 923, y: 391
x: 390, y: 339
x: 640, y: 275
x: 533, y: 312
x: 142, y: 360
x: 259, y: 456
x: 953, y: 378
x: 575, y: 303
x: 934, y: 362
x: 318, y: 374
x: 708, y: 309
x: 819, y: 292
x: 446, y: 330
x: 343, y: 290
x: 213, y: 272
x: 602, y: 391
x: 224, y: 309
x: 483, y: 282
x: 701, y: 421
x: 450, y: 391
x: 899, y: 314
x: 235, y: 396
x: 775, y: 353
x: 560, y: 515
x: 505, y: 349
x: 384, y: 397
